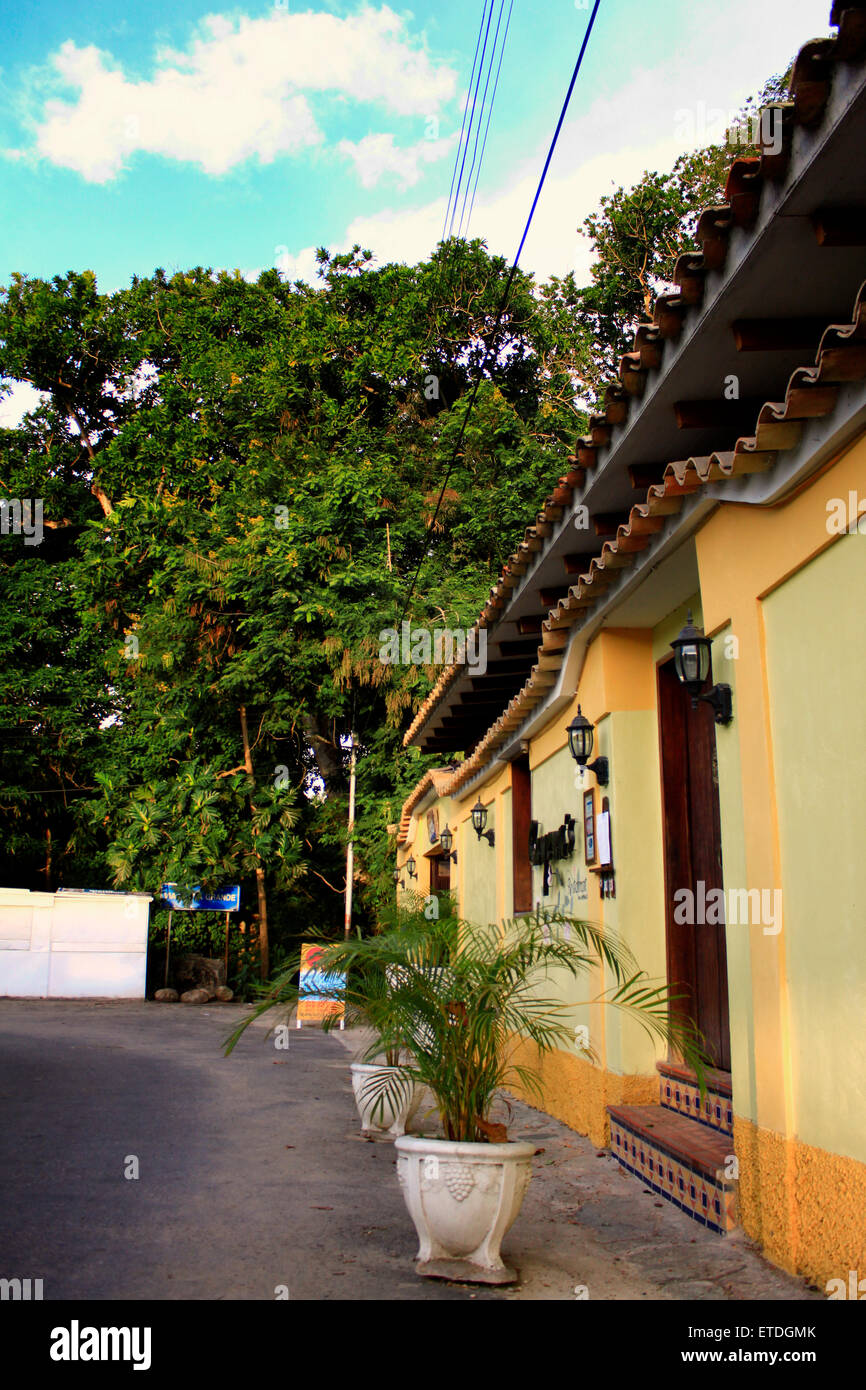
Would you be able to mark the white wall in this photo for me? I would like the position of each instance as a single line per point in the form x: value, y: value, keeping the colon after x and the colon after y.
x: 73, y: 945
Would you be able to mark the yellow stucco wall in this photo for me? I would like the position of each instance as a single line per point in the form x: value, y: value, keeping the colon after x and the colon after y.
x: 577, y: 1092
x: 820, y: 768
x: 804, y: 1204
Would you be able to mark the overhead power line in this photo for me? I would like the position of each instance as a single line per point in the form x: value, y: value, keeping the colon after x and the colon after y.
x: 448, y: 260
x: 471, y: 121
x: 465, y: 109
x: 484, y: 105
x: 490, y: 111
x: 502, y: 306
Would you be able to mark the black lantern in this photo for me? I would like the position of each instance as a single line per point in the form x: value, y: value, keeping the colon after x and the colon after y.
x: 410, y: 867
x: 692, y: 664
x: 580, y: 734
x: 479, y: 820
x: 446, y: 839
x: 692, y: 658
x: 398, y: 879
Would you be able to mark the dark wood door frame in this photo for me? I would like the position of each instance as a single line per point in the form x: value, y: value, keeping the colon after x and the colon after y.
x: 696, y: 951
x: 440, y: 873
x: 521, y: 818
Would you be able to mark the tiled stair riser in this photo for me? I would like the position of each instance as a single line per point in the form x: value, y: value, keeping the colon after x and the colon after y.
x: 716, y: 1111
x: 711, y: 1204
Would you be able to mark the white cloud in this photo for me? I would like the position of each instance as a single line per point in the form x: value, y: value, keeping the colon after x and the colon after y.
x: 303, y: 266
x: 377, y: 156
x: 240, y: 90
x: 21, y: 398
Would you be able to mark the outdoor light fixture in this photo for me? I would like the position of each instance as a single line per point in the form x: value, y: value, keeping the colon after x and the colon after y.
x: 479, y: 820
x: 398, y: 879
x: 580, y: 733
x: 446, y: 839
x: 692, y: 663
x: 410, y: 867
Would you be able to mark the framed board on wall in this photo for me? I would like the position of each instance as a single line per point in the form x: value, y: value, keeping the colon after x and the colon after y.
x: 433, y: 826
x: 589, y: 825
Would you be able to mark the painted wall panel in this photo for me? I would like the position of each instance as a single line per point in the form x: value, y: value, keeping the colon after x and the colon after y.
x: 62, y: 945
x: 816, y: 664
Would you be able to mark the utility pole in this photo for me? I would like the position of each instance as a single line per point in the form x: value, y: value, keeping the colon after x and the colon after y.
x: 350, y: 848
x: 264, y: 959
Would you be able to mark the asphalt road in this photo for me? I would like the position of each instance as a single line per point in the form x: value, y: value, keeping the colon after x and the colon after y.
x: 251, y: 1170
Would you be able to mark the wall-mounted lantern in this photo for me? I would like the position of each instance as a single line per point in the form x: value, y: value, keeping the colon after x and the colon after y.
x: 692, y: 663
x: 479, y: 820
x: 398, y: 880
x: 410, y: 867
x: 446, y: 839
x: 580, y: 733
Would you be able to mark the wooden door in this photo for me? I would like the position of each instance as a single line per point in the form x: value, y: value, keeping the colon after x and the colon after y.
x: 696, y: 954
x: 440, y: 874
x: 521, y: 818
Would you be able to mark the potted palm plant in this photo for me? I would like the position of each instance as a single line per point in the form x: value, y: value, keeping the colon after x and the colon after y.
x: 456, y: 1000
x: 386, y: 1098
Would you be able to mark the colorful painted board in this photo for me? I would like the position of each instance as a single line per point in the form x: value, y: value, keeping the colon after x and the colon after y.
x: 320, y: 995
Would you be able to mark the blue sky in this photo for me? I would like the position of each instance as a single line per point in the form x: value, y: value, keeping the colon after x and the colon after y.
x: 183, y: 133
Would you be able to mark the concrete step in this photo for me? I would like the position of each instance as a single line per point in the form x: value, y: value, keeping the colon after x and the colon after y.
x: 681, y: 1159
x: 679, y: 1091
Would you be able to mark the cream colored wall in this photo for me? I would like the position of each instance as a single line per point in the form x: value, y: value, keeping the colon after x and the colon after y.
x: 637, y: 913
x: 734, y: 875
x: 477, y: 864
x: 482, y: 869
x: 553, y: 794
x: 815, y: 625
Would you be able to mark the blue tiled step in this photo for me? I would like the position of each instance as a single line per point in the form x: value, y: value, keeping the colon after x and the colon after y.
x: 682, y: 1160
x: 679, y: 1091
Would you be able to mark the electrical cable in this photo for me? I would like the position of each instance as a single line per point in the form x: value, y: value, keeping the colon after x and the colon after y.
x: 471, y: 120
x: 468, y: 187
x: 504, y: 302
x: 490, y: 111
x: 465, y: 109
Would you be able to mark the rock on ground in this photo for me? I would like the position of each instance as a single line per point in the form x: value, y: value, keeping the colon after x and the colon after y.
x: 195, y: 996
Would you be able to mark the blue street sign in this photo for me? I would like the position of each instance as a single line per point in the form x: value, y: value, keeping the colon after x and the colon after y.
x: 194, y: 900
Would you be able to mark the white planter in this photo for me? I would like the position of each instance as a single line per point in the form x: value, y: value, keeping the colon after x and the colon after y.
x: 379, y: 1113
x: 463, y: 1198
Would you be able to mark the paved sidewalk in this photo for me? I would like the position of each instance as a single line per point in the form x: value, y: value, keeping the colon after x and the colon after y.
x: 253, y: 1174
x: 586, y: 1225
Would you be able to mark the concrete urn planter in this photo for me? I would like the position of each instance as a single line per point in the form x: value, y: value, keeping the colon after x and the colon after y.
x: 382, y: 1114
x: 463, y: 1198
